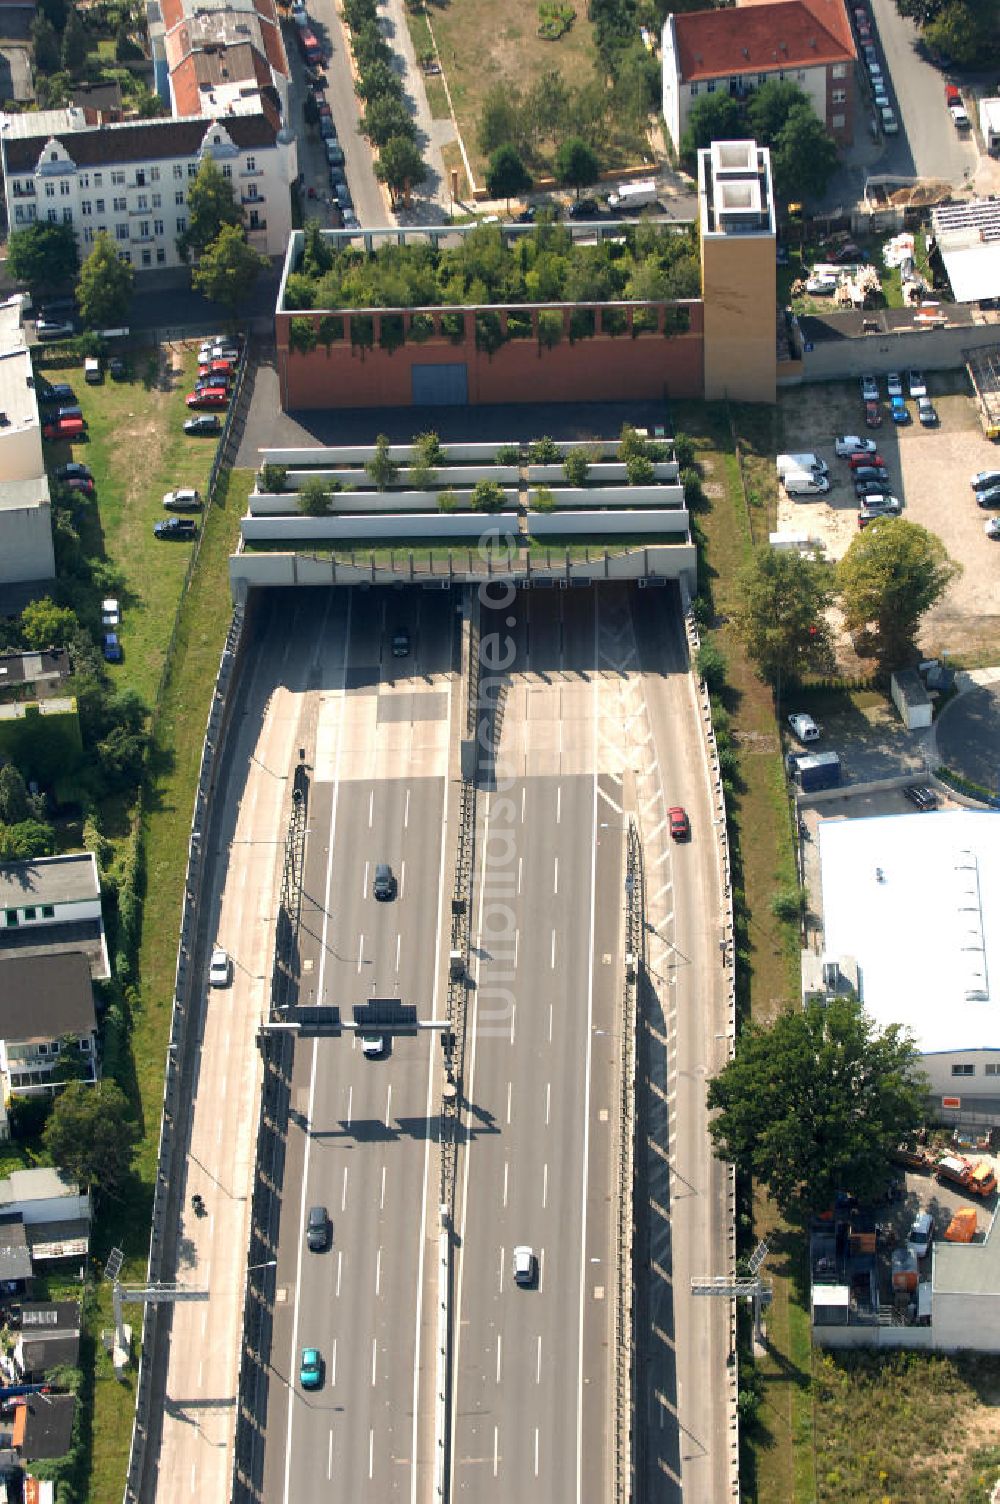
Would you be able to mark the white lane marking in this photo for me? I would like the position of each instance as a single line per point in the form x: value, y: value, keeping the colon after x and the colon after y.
x: 364, y: 885
x: 388, y: 1104
x: 555, y: 879
x: 513, y: 1015
x: 329, y: 1449
x: 399, y: 941
x: 550, y: 1023
x: 371, y: 808
x: 381, y: 1199
x: 343, y: 1193
x: 536, y: 1451
x: 340, y: 1266
x: 496, y: 1452
x: 558, y: 805
x: 541, y: 1270
x: 501, y: 1271
x: 519, y: 874
x: 548, y: 1102
x: 333, y: 1376
x: 524, y: 790
x: 371, y: 1450
x: 538, y: 1361
x: 361, y: 951
x: 350, y: 1104
x: 506, y: 1167
x: 553, y: 957
x: 586, y: 1100
x: 545, y: 1186
x: 298, y: 1283
x: 431, y: 1087
x: 509, y: 1087
x: 378, y: 1271
x: 406, y: 811
x: 402, y: 878
x: 517, y: 937
x: 374, y: 1359
x: 499, y: 1353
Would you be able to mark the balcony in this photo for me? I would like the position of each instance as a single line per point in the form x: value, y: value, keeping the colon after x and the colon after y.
x: 252, y: 198
x: 19, y: 192
x: 260, y: 228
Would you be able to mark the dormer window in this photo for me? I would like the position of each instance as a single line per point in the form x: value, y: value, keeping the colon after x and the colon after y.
x: 54, y: 156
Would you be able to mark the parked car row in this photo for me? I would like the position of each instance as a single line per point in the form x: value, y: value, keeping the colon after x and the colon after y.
x: 876, y: 68
x: 218, y: 362
x: 898, y: 410
x: 986, y: 490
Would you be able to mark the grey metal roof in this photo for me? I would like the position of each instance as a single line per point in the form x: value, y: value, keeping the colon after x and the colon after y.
x: 49, y: 879
x: 43, y: 997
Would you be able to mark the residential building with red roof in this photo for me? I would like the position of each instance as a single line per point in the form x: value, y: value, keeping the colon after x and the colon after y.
x: 734, y: 51
x: 230, y: 49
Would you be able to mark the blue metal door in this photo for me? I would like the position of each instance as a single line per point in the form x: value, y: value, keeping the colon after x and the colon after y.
x: 440, y: 386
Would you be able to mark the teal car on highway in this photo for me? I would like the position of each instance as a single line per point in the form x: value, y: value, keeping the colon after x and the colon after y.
x: 311, y: 1369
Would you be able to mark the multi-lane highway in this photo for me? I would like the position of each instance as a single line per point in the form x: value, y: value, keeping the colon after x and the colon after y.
x: 360, y: 1140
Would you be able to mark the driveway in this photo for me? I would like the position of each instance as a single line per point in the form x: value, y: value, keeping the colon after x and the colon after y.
x: 928, y: 145
x: 968, y: 736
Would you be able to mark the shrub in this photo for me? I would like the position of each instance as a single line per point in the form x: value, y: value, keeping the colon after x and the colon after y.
x: 711, y: 665
x: 447, y: 500
x: 550, y: 329
x: 421, y: 328
x: 382, y: 470
x: 789, y: 904
x: 576, y: 467
x: 302, y: 335
x: 630, y: 444
x: 543, y: 499
x: 314, y: 498
x: 489, y: 333
x: 28, y: 1115
x: 684, y: 451
x: 508, y: 454
x: 487, y: 496
x: 429, y: 447
x: 544, y: 451
x: 273, y: 477
x: 639, y: 470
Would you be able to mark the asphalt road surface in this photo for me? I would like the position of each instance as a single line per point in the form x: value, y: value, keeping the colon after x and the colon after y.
x: 360, y: 1141
x: 928, y: 145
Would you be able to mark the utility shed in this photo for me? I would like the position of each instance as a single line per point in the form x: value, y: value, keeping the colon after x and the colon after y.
x: 911, y: 699
x: 989, y: 124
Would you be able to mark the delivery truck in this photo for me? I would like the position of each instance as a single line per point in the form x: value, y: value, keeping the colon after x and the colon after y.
x: 633, y: 196
x: 977, y: 1178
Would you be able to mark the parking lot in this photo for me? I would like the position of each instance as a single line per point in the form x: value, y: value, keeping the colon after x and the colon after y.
x: 929, y: 470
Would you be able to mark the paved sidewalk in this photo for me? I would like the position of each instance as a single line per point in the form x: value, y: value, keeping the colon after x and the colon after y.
x: 431, y: 203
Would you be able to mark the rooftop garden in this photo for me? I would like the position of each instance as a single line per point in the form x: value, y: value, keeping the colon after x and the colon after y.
x: 647, y: 262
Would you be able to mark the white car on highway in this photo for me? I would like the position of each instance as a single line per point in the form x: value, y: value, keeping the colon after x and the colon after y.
x: 524, y: 1264
x: 220, y: 970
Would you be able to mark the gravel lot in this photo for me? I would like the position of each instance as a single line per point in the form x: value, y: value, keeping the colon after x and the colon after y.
x: 929, y: 471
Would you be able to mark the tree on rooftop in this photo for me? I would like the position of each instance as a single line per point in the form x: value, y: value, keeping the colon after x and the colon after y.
x: 893, y: 572
x: 506, y: 175
x: 313, y: 497
x: 815, y: 1102
x: 211, y: 204
x: 577, y: 165
x: 104, y: 290
x: 382, y: 470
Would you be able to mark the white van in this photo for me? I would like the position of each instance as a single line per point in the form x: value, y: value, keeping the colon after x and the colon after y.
x: 805, y: 483
x: 787, y: 462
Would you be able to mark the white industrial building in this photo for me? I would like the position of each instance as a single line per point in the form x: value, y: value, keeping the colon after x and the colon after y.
x: 26, y: 552
x: 914, y: 900
x: 131, y: 179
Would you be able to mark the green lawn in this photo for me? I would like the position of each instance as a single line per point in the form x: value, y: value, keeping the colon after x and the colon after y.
x: 178, y: 731
x: 138, y: 450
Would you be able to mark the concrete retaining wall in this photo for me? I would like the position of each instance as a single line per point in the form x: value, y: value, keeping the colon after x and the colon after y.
x: 549, y: 475
x: 282, y: 504
x: 586, y: 497
x: 594, y: 524
x: 396, y: 527
x: 450, y: 475
x: 357, y: 454
x: 925, y: 349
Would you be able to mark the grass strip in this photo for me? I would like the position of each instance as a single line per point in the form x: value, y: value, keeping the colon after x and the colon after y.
x: 178, y: 733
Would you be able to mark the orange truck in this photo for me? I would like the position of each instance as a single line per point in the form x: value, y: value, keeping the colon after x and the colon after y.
x: 978, y: 1178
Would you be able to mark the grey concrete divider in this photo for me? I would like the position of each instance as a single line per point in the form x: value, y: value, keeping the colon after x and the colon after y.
x: 585, y: 498
x: 396, y: 527
x: 357, y: 454
x: 549, y: 524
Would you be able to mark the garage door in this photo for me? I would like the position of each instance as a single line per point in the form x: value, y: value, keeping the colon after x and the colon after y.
x: 441, y: 386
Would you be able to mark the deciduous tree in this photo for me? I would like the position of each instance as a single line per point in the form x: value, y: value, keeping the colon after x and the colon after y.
x: 211, y: 204
x: 45, y: 44
x: 91, y: 1134
x: 46, y: 625
x: 382, y: 470
x: 43, y: 255
x: 400, y: 166
x: 815, y: 1102
x: 714, y: 117
x: 803, y: 156
x: 506, y: 175
x: 782, y: 617
x: 577, y: 165
x: 104, y: 290
x: 893, y: 573
x: 313, y: 497
x: 228, y: 269
x: 74, y: 43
